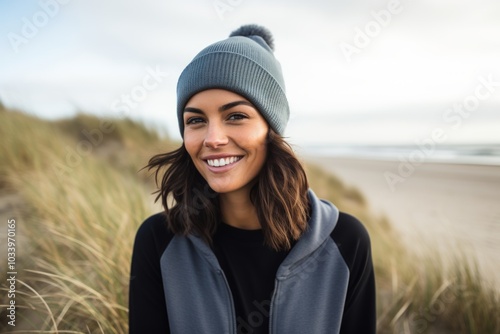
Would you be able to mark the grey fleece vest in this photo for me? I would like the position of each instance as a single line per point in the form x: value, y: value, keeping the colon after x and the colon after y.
x: 309, y: 293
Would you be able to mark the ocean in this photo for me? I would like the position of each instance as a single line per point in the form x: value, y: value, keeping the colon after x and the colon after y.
x: 480, y: 154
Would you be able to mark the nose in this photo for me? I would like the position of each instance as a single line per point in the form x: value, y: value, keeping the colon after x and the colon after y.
x: 215, y: 136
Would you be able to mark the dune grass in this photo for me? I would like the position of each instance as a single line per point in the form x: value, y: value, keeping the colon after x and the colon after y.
x: 82, y: 204
x: 79, y: 231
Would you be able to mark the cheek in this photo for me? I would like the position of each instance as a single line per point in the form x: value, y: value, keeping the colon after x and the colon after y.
x: 259, y: 145
x: 191, y: 144
x: 261, y: 139
x: 258, y: 134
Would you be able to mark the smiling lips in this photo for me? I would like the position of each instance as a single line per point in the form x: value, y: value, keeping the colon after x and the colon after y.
x: 222, y: 161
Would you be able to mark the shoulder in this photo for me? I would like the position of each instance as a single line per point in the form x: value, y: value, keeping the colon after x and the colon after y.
x: 351, y: 238
x: 349, y: 228
x: 153, y: 234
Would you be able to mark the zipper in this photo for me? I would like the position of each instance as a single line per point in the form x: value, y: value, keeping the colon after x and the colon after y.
x: 273, y: 298
x: 231, y: 302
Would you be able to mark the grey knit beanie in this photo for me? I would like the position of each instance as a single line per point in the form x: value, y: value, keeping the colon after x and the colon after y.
x: 245, y: 64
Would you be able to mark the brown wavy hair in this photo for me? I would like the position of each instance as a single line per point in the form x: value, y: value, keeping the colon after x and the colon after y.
x: 279, y: 195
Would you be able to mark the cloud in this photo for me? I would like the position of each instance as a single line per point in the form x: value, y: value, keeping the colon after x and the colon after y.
x: 428, y: 56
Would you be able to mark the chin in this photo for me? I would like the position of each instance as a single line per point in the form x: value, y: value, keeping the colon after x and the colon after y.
x: 221, y: 189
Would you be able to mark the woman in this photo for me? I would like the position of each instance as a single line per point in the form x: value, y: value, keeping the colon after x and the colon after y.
x: 243, y: 245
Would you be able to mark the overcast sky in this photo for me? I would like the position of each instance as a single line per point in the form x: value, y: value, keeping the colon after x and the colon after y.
x: 356, y: 71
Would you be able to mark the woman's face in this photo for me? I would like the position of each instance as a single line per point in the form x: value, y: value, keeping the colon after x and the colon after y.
x: 225, y: 136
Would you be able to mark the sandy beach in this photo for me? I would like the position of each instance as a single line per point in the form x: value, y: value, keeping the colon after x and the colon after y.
x: 450, y: 208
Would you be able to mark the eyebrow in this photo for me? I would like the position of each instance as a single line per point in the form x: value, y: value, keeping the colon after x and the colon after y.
x: 221, y: 108
x: 234, y: 104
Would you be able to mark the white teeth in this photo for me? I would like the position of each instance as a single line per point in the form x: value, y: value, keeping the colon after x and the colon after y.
x: 222, y: 161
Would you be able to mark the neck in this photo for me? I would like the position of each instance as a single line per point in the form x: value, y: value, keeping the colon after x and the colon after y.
x: 238, y: 211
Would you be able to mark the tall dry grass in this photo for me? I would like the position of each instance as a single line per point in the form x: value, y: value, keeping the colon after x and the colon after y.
x: 78, y: 223
x: 78, y: 219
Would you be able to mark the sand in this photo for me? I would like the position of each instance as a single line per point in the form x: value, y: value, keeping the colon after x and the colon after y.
x: 449, y: 208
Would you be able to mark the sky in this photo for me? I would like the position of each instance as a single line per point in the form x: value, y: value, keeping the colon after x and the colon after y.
x: 356, y: 72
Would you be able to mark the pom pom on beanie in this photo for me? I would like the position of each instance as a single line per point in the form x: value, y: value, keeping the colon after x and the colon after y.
x: 245, y: 64
x: 250, y: 30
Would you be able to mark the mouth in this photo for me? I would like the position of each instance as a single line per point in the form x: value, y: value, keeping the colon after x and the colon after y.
x: 223, y: 161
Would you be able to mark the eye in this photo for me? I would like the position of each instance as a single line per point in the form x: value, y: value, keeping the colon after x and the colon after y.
x: 236, y: 117
x: 194, y: 120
